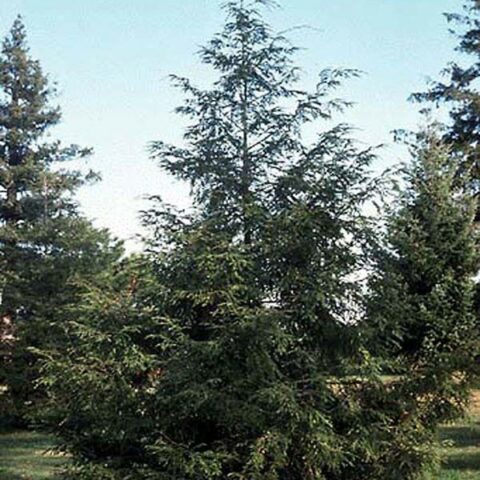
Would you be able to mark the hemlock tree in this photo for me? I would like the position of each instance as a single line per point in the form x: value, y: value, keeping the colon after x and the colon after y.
x: 458, y: 91
x: 44, y: 242
x: 421, y: 310
x: 241, y: 358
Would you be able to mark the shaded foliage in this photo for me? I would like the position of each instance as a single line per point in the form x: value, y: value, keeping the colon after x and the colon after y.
x: 45, y: 244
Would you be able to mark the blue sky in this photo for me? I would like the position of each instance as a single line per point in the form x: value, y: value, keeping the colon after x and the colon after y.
x: 110, y: 59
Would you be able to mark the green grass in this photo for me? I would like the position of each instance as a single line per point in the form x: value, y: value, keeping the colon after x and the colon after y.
x: 462, y: 450
x: 26, y: 456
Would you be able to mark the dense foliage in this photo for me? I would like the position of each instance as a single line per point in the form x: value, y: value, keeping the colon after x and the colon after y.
x: 421, y: 314
x: 251, y: 338
x: 236, y: 347
x: 45, y: 244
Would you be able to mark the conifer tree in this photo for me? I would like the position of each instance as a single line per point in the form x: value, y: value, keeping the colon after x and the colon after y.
x: 421, y: 311
x: 458, y: 91
x: 44, y: 242
x: 238, y: 355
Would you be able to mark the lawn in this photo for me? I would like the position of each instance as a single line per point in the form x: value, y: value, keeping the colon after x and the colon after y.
x: 462, y: 455
x: 462, y: 451
x: 26, y: 456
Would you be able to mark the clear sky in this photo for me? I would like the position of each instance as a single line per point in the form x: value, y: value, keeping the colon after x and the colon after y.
x: 110, y: 59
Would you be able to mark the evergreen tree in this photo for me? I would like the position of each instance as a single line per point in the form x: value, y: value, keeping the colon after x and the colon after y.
x: 238, y: 354
x: 44, y: 242
x: 458, y: 91
x: 421, y: 310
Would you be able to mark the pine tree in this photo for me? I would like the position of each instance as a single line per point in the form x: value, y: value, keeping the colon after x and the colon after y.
x: 239, y: 355
x: 44, y: 242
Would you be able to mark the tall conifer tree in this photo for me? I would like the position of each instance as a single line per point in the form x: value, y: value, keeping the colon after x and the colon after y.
x: 44, y: 242
x: 421, y: 311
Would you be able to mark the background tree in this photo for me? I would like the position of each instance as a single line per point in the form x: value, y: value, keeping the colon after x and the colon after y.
x: 239, y: 354
x: 458, y: 91
x: 44, y: 241
x: 421, y: 312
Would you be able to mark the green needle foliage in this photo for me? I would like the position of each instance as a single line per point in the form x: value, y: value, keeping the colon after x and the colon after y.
x: 44, y: 243
x: 458, y: 90
x: 235, y: 351
x: 421, y: 310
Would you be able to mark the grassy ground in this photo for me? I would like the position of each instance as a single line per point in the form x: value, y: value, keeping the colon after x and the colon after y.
x: 462, y: 455
x: 26, y: 456
x: 462, y: 449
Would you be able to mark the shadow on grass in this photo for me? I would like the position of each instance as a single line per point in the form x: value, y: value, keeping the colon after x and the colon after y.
x: 462, y: 435
x: 463, y: 461
x: 462, y: 451
x: 4, y: 474
x: 28, y: 455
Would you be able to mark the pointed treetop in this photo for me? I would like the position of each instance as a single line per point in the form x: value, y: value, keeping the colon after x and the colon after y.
x: 17, y: 37
x: 26, y: 89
